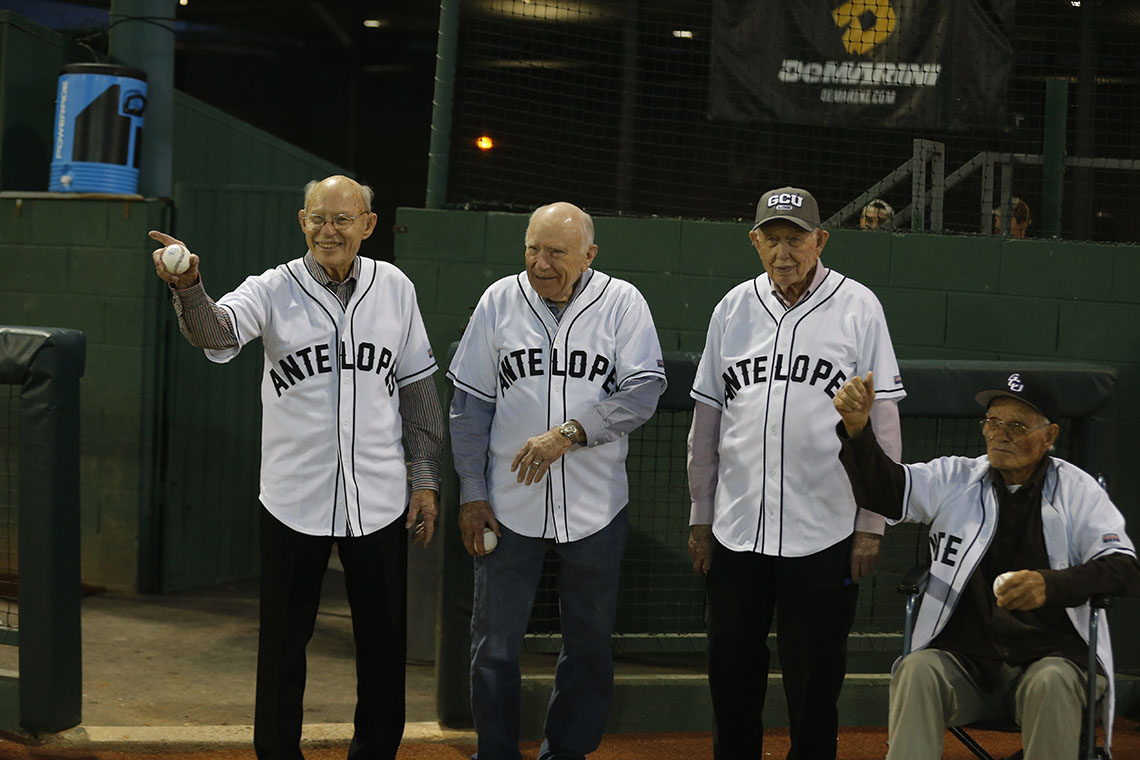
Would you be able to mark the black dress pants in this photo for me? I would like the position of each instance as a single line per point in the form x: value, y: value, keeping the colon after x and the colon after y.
x: 375, y: 574
x: 813, y: 600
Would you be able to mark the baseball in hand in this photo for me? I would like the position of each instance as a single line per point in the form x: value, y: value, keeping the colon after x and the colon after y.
x: 998, y: 581
x: 490, y: 540
x: 176, y: 258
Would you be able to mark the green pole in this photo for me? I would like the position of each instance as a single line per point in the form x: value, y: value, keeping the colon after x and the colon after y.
x: 439, y: 153
x: 142, y: 35
x: 1053, y: 161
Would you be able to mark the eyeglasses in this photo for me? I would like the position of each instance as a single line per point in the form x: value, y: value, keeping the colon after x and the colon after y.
x: 340, y: 221
x: 1016, y: 430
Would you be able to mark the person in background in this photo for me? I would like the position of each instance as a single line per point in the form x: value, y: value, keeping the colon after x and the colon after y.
x: 876, y: 214
x: 1019, y: 220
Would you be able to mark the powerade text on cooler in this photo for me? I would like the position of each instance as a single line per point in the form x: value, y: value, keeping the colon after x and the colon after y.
x: 97, y: 132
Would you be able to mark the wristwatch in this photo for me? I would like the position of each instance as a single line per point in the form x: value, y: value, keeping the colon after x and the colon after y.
x: 570, y: 430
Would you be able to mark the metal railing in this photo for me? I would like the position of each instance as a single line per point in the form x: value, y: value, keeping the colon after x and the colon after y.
x: 929, y: 185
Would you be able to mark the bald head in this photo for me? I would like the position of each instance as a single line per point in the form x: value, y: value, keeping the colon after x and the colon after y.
x: 559, y: 248
x: 336, y: 219
x: 344, y: 184
x: 568, y: 215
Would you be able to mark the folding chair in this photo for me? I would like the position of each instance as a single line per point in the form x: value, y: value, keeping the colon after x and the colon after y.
x: 913, y: 583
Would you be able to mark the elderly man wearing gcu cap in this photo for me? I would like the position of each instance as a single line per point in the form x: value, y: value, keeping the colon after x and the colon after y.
x: 1019, y: 542
x: 774, y: 525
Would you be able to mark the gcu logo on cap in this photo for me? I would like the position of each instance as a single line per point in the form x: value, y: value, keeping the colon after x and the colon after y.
x: 1014, y: 382
x: 786, y: 201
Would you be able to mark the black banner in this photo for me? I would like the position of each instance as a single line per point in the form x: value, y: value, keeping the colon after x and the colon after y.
x: 933, y: 64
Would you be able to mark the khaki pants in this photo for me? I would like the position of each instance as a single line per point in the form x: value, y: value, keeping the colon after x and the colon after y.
x: 930, y: 691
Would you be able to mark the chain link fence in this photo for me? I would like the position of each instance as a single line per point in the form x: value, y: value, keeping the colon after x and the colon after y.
x: 984, y: 117
x: 661, y: 599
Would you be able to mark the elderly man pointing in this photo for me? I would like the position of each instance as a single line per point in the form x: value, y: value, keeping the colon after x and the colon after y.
x: 347, y: 373
x: 557, y: 366
x: 1020, y: 540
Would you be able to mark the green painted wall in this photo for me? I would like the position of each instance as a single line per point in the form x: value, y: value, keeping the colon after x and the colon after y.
x: 213, y: 149
x: 82, y: 264
x: 170, y: 445
x: 170, y: 441
x: 945, y: 297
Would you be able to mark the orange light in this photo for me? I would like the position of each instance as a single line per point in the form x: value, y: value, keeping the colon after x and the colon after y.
x: 484, y: 143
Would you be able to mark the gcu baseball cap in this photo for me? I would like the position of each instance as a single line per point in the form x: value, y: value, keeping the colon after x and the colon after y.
x: 1025, y: 387
x: 790, y: 204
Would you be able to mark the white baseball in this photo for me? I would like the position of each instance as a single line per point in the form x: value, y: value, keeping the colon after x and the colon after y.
x: 490, y: 540
x: 176, y: 258
x: 998, y: 581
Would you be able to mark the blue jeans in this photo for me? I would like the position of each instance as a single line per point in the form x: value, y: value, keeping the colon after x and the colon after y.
x: 505, y: 584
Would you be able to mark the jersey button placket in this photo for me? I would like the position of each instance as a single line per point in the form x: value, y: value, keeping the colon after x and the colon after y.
x: 557, y: 352
x: 784, y: 359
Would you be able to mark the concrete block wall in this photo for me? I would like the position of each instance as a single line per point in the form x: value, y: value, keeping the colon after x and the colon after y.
x: 945, y: 297
x: 81, y: 264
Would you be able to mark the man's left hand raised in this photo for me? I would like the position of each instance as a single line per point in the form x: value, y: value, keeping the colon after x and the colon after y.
x: 864, y: 554
x: 538, y: 453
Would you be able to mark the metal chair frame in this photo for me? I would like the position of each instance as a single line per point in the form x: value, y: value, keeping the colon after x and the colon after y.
x: 913, y: 583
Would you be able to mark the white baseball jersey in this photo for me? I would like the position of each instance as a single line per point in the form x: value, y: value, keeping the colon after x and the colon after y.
x: 332, y: 456
x: 955, y: 497
x: 773, y: 372
x: 540, y: 372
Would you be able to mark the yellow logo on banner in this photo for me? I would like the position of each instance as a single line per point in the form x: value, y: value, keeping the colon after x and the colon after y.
x: 859, y: 39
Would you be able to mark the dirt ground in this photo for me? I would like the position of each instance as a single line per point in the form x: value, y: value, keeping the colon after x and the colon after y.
x: 854, y: 744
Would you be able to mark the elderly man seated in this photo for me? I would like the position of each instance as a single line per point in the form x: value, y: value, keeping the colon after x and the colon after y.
x: 1041, y: 528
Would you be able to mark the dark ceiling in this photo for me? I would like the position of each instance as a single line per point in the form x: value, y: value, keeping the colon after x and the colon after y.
x: 309, y: 72
x: 314, y: 74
